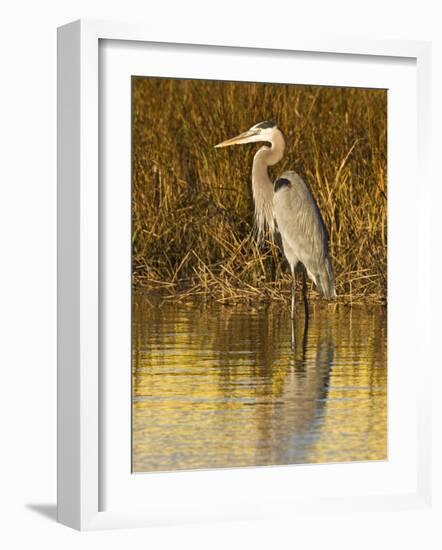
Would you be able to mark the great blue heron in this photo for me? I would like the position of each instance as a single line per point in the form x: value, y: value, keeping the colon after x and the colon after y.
x: 289, y: 203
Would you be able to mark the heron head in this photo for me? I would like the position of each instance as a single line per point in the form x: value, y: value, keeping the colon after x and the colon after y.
x: 263, y: 131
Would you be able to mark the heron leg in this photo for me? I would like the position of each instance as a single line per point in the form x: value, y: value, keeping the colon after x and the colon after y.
x: 304, y: 294
x: 293, y: 310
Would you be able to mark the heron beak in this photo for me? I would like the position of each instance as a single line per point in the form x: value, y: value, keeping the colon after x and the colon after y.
x: 245, y: 137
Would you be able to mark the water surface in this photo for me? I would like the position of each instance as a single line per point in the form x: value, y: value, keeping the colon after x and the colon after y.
x: 217, y: 386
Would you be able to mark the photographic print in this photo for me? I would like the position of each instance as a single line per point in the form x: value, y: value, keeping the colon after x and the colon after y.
x: 259, y: 274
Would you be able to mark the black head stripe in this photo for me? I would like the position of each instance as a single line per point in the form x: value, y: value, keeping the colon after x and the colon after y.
x: 282, y: 182
x: 266, y: 124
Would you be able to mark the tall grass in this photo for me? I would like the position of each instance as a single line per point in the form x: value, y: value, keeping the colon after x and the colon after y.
x: 192, y: 206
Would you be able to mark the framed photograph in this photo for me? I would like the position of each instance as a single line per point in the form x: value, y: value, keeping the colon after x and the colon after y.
x: 235, y: 275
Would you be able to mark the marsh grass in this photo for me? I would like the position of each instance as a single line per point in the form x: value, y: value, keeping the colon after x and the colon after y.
x: 192, y: 208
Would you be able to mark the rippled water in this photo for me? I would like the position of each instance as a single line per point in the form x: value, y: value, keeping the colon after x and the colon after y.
x: 217, y: 386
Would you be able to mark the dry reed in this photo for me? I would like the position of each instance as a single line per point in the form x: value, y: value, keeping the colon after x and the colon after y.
x: 192, y: 209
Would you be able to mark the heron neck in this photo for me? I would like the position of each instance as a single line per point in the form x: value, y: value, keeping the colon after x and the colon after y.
x: 269, y: 156
x: 262, y: 185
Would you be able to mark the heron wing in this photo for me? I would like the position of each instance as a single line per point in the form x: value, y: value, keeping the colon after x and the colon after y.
x: 302, y: 227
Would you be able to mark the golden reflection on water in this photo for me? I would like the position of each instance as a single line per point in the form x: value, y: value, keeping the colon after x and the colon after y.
x: 217, y: 386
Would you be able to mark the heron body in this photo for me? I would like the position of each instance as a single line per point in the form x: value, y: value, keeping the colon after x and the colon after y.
x: 288, y: 205
x: 302, y: 230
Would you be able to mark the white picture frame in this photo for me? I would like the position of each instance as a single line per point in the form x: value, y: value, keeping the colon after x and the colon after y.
x: 80, y: 443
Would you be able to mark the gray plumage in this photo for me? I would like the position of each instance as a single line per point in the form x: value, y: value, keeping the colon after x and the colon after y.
x: 303, y: 232
x: 290, y: 204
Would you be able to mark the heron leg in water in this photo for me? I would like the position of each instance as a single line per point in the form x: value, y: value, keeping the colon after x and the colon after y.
x: 305, y: 300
